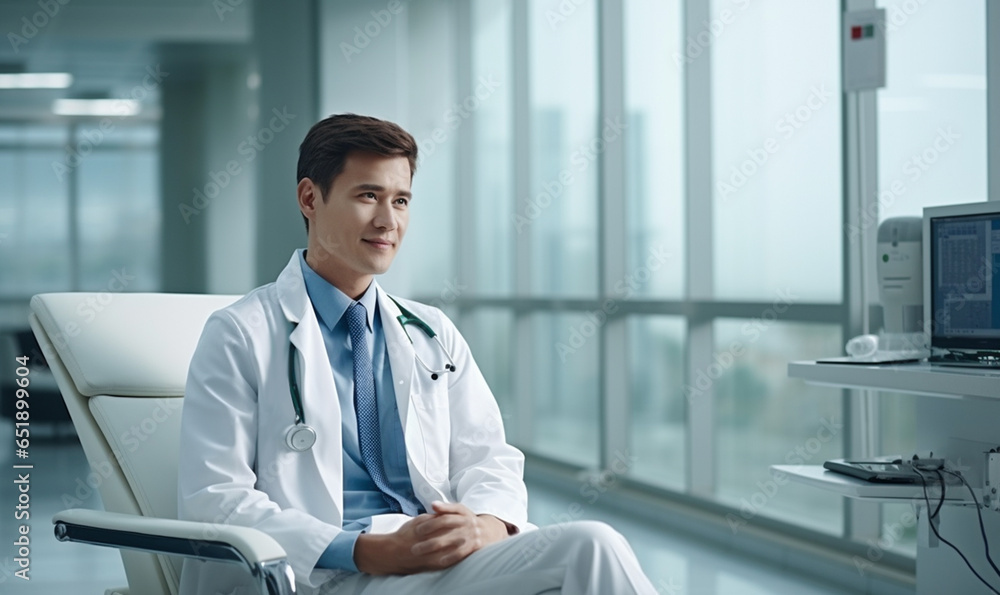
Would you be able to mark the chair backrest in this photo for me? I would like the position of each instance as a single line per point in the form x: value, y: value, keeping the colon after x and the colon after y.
x: 121, y: 362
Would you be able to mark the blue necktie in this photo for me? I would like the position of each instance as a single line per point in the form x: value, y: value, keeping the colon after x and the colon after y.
x: 366, y: 409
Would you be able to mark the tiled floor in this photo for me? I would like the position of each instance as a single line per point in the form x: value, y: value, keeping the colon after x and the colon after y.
x: 676, y: 565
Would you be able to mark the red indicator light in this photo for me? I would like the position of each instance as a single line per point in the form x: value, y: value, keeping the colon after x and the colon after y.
x: 856, y: 32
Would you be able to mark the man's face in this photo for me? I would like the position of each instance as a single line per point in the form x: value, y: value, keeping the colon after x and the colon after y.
x: 356, y: 231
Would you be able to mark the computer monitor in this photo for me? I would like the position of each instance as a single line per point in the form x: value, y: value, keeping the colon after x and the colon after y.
x: 962, y: 276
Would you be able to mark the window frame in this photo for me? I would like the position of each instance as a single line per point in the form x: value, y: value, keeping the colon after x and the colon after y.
x: 73, y: 127
x: 699, y: 310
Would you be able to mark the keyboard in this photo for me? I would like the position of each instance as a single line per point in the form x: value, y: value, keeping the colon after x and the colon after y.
x: 979, y: 360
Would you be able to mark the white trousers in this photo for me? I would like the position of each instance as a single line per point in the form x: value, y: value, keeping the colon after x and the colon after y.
x: 577, y: 558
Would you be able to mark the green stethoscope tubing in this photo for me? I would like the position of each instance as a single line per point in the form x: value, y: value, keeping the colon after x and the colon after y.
x: 302, y: 436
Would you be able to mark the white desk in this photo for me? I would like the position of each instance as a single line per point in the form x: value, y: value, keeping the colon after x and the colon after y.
x: 915, y: 378
x: 958, y: 417
x: 852, y: 487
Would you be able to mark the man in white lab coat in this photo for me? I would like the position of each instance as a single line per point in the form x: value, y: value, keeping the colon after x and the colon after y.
x: 373, y: 452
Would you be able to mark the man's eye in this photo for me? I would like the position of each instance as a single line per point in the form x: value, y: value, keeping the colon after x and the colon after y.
x: 370, y: 195
x: 403, y: 201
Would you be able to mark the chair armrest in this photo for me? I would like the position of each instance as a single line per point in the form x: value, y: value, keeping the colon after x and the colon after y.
x: 253, y: 549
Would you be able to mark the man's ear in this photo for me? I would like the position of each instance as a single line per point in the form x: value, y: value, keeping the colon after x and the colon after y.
x: 308, y: 193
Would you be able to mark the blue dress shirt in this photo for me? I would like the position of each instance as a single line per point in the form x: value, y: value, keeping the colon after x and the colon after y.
x: 362, y: 498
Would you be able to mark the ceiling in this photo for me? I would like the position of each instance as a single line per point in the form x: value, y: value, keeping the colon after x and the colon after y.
x: 110, y: 46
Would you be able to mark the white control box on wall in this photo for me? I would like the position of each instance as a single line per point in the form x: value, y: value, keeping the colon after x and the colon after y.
x: 863, y: 44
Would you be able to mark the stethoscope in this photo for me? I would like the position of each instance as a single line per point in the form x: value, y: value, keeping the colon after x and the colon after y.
x: 301, y: 436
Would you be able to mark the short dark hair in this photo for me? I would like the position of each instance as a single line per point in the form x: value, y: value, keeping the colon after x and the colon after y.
x: 326, y: 146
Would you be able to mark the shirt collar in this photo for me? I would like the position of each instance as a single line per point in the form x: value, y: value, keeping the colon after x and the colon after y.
x: 331, y: 303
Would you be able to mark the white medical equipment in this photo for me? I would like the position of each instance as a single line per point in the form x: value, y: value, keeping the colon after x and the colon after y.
x: 899, y: 268
x: 900, y: 273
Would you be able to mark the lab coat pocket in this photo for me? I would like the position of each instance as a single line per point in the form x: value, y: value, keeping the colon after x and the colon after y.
x: 429, y: 423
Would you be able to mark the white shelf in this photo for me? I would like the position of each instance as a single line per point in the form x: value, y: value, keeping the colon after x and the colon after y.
x: 916, y: 378
x: 851, y: 487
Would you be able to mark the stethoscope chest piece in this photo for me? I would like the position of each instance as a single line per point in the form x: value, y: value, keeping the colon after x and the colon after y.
x: 300, y: 437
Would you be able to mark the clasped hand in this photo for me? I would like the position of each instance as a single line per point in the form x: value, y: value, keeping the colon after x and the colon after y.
x: 430, y: 541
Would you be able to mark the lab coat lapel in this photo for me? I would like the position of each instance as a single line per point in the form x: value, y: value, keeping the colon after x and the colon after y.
x: 317, y: 388
x: 406, y: 383
x: 400, y: 355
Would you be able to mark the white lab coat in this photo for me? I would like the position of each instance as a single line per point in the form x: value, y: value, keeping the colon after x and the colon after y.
x: 234, y: 464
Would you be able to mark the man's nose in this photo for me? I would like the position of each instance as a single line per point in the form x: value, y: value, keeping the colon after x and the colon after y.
x: 385, y: 216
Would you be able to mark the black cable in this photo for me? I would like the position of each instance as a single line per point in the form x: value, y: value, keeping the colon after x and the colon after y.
x: 930, y: 521
x: 940, y: 500
x: 979, y: 512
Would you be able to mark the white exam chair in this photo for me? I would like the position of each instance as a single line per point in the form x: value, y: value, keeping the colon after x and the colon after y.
x: 121, y: 362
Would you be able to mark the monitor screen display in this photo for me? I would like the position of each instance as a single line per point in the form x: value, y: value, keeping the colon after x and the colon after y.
x: 965, y: 280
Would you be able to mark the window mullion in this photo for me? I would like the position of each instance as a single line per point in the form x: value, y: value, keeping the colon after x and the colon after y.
x: 73, y: 189
x: 699, y: 270
x: 465, y: 220
x: 862, y: 520
x: 613, y: 395
x: 525, y: 379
